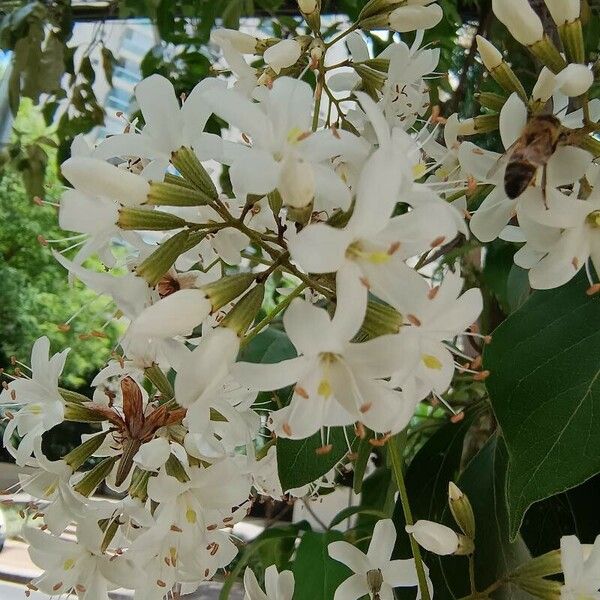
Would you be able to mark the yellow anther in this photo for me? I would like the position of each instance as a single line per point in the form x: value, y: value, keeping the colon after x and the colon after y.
x: 419, y: 170
x: 432, y: 362
x: 378, y: 258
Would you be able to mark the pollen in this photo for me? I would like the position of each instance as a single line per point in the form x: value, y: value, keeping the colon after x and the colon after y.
x: 431, y: 362
x: 324, y: 388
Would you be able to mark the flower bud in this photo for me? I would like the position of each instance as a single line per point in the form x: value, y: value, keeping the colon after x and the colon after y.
x: 241, y: 316
x: 520, y: 19
x: 434, y: 537
x: 486, y: 123
x: 564, y: 11
x: 380, y: 319
x: 283, y: 54
x: 191, y: 169
x: 461, y: 510
x: 144, y: 219
x: 297, y: 183
x: 170, y: 194
x: 575, y: 80
x: 82, y: 412
x: 571, y: 35
x: 311, y: 11
x: 227, y: 289
x: 79, y: 455
x: 161, y: 260
x: 92, y: 479
x: 138, y: 488
x: 540, y: 566
x: 548, y: 53
x: 411, y: 18
x: 69, y: 396
x: 544, y: 589
x: 490, y: 55
x: 491, y: 101
x: 159, y: 379
x: 175, y: 468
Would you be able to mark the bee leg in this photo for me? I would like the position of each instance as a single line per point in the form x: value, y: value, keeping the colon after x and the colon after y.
x: 544, y: 184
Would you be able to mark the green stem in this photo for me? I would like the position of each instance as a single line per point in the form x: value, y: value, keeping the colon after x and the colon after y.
x: 342, y: 35
x: 397, y: 464
x: 278, y: 309
x: 472, y: 574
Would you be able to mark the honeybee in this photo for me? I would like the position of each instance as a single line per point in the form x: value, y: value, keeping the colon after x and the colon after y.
x: 542, y: 135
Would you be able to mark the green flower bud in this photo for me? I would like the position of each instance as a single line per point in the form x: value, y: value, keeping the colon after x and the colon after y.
x: 176, y: 469
x: 571, y: 35
x: 380, y: 319
x: 548, y: 53
x: 79, y: 455
x: 92, y: 479
x: 160, y: 381
x: 242, y: 315
x: 462, y: 510
x: 69, y: 396
x: 139, y: 484
x: 148, y: 220
x: 227, y: 289
x: 540, y: 566
x: 491, y: 101
x: 187, y: 163
x: 541, y: 588
x: 81, y: 413
x: 172, y: 194
x: 161, y: 260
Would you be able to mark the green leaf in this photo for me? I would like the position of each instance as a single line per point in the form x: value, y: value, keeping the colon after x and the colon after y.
x: 350, y: 511
x: 270, y: 346
x: 317, y: 576
x: 545, y: 390
x: 299, y: 464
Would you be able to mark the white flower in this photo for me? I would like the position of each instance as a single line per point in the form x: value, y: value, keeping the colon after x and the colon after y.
x: 283, y: 146
x: 265, y: 475
x: 278, y: 586
x: 434, y: 537
x: 569, y: 236
x: 168, y: 126
x: 415, y: 14
x: 79, y: 568
x: 283, y: 54
x: 41, y: 406
x: 373, y: 247
x: 520, y: 19
x: 335, y: 380
x: 435, y: 316
x: 374, y: 572
x: 566, y: 166
x: 564, y: 11
x: 581, y: 567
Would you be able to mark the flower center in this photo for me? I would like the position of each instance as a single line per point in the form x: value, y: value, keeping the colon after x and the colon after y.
x: 375, y: 581
x: 191, y: 516
x: 68, y: 564
x: 356, y: 251
x: 593, y: 219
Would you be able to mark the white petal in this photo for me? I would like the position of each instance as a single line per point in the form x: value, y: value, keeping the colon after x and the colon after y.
x: 153, y: 454
x: 99, y: 178
x: 269, y: 377
x: 410, y: 18
x: 320, y: 248
x: 176, y: 314
x: 513, y: 118
x: 353, y: 588
x: 283, y: 54
x: 310, y: 329
x: 330, y: 190
x: 568, y: 165
x: 351, y: 302
x: 492, y: 216
x: 351, y: 556
x: 382, y: 542
x: 254, y: 173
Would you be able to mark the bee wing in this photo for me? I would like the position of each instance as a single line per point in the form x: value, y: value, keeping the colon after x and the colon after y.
x: 502, y: 161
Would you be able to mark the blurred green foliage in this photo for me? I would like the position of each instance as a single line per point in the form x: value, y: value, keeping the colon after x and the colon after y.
x: 35, y: 296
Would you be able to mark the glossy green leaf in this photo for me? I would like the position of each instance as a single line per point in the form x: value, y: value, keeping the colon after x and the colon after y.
x: 317, y: 575
x: 298, y: 462
x: 545, y: 390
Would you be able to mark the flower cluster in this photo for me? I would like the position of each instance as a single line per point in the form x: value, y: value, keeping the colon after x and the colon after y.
x: 335, y: 205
